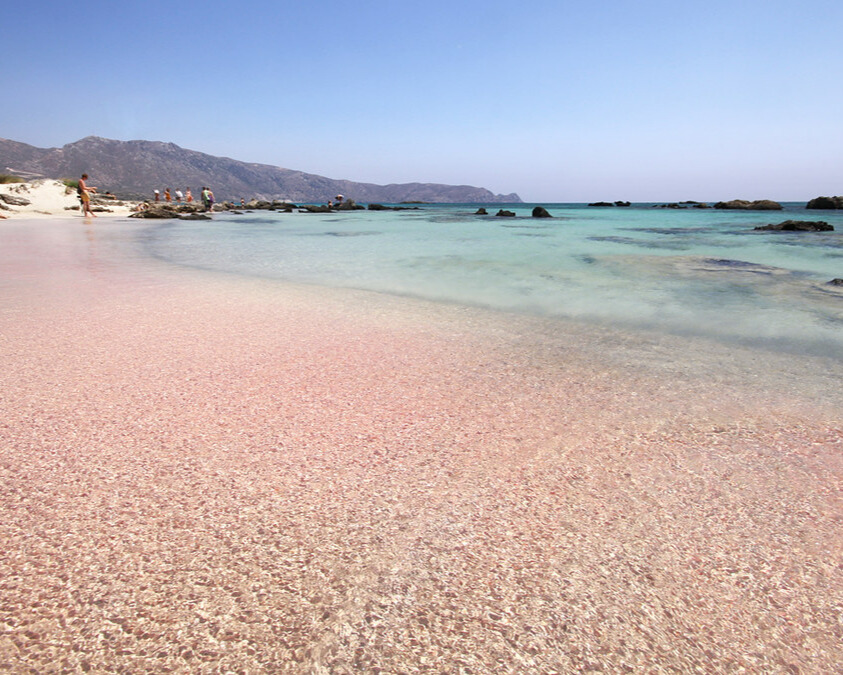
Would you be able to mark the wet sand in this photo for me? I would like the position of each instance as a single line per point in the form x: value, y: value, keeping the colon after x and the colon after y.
x: 205, y: 473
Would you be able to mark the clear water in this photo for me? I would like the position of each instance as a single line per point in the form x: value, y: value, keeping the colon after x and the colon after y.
x: 695, y: 271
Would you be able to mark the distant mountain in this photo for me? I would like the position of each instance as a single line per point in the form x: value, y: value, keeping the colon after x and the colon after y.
x: 136, y: 168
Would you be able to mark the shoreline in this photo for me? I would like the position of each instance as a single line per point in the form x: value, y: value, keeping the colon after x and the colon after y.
x: 207, y: 471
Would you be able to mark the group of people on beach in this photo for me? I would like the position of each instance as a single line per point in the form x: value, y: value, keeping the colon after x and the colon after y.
x: 84, y: 191
x: 186, y: 196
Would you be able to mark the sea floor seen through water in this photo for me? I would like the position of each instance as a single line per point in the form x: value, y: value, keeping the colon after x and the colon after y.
x: 695, y: 271
x: 195, y: 450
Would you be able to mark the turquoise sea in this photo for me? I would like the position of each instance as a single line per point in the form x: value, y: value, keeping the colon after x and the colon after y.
x: 700, y: 272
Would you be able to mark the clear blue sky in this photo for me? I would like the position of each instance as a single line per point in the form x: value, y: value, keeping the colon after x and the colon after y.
x: 556, y: 100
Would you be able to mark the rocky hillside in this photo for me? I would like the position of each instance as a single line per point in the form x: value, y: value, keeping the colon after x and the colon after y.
x: 133, y: 169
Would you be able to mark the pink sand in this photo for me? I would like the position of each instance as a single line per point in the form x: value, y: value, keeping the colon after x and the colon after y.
x: 206, y: 474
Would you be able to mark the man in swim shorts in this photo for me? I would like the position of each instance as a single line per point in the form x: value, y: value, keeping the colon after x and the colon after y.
x: 83, y: 189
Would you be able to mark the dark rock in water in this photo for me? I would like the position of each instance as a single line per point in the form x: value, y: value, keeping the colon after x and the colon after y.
x: 278, y: 205
x: 825, y: 203
x: 541, y: 212
x: 682, y: 205
x: 163, y: 210
x: 619, y: 203
x: 836, y: 282
x: 742, y: 204
x: 157, y: 211
x: 481, y: 212
x: 799, y: 226
x: 182, y: 208
x: 381, y: 207
x: 348, y: 205
x: 195, y: 216
x: 322, y: 208
x: 505, y: 214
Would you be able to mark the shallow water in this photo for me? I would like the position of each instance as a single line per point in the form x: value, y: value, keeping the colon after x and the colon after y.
x: 696, y: 272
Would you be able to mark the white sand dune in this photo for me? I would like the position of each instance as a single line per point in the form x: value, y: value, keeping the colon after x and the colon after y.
x: 51, y: 199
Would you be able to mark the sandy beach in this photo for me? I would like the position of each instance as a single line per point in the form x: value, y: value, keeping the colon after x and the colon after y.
x: 49, y: 199
x: 209, y: 473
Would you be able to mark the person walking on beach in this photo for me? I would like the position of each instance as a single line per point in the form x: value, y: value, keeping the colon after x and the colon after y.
x: 167, y: 195
x: 83, y: 189
x: 157, y: 195
x: 179, y: 196
x: 188, y: 196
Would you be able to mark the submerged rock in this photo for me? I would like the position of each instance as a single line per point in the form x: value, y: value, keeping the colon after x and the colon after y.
x: 799, y: 226
x: 481, y: 212
x: 505, y: 214
x: 541, y: 212
x: 836, y: 282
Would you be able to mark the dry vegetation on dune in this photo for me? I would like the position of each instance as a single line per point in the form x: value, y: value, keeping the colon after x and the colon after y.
x: 223, y: 480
